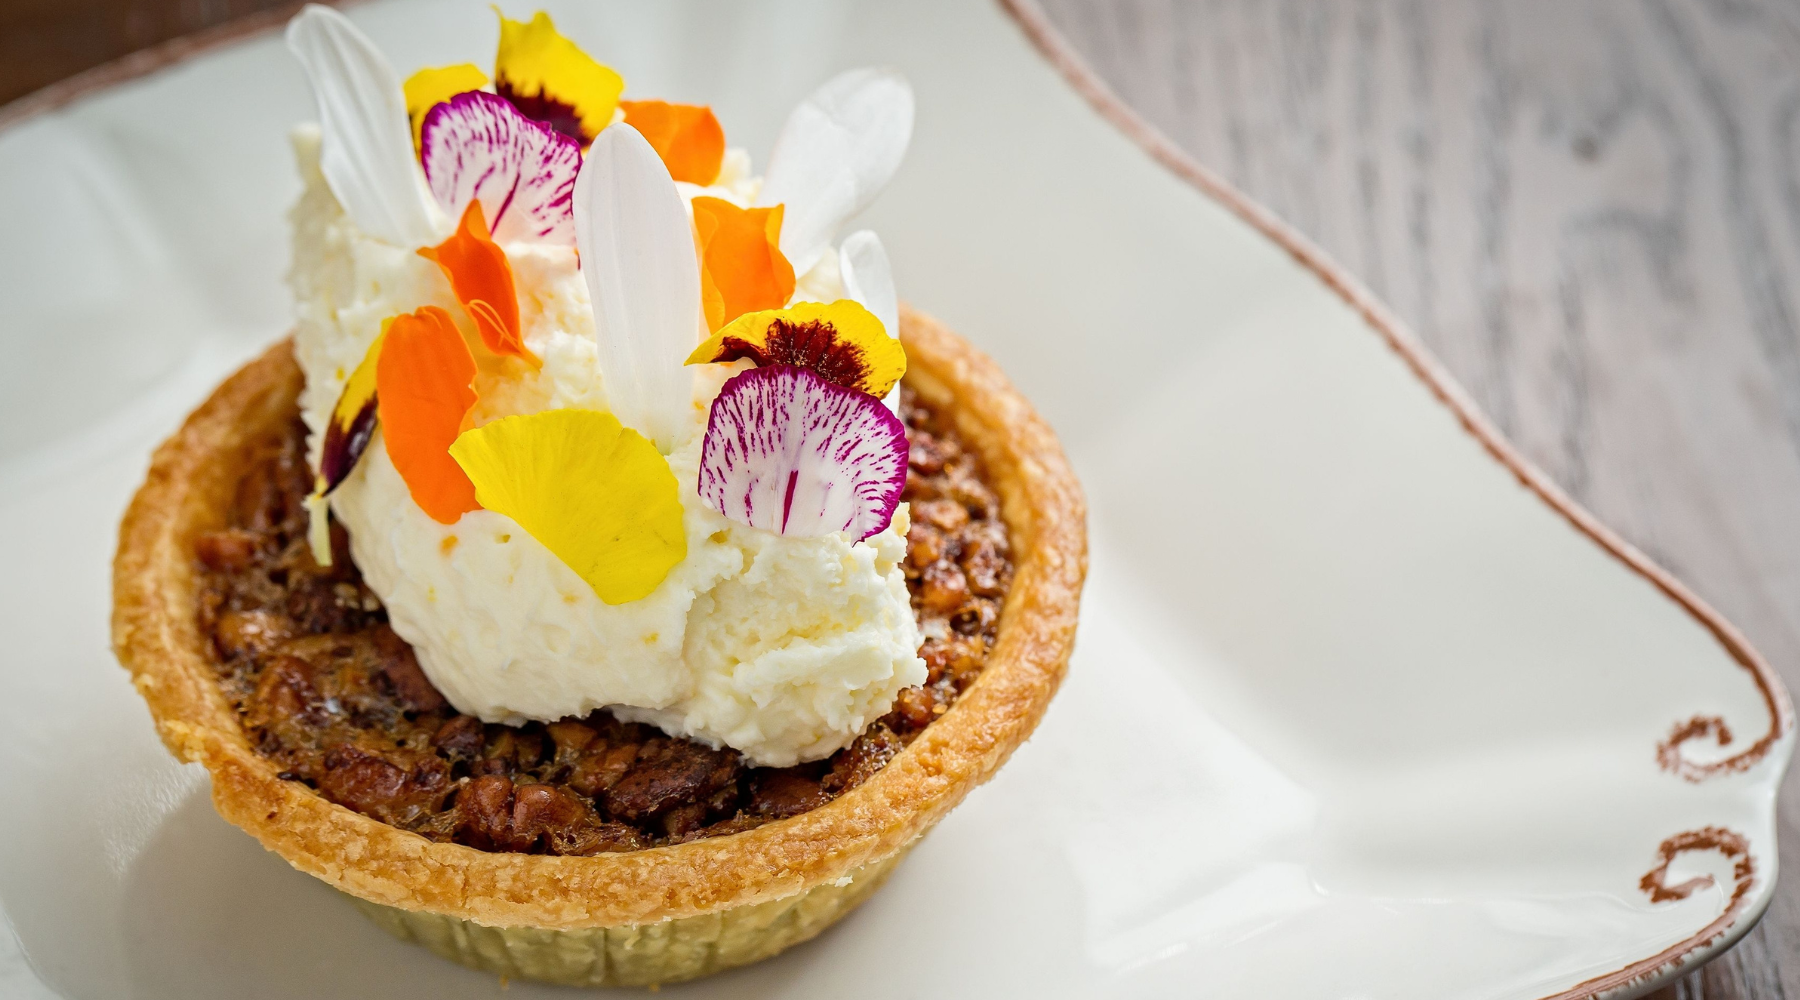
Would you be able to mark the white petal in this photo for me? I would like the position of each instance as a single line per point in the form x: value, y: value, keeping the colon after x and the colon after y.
x: 863, y: 266
x: 837, y: 151
x: 367, y: 151
x: 643, y: 274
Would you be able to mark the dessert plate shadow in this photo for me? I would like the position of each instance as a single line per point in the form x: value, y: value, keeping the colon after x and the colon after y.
x: 1362, y: 706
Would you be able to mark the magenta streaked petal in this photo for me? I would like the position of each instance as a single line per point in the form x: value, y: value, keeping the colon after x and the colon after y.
x: 789, y: 452
x: 477, y: 145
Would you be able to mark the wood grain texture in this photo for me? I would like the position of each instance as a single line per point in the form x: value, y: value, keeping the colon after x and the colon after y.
x: 44, y: 41
x: 1590, y: 211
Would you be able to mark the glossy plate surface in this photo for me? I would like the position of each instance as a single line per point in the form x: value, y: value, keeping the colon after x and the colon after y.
x: 1357, y: 710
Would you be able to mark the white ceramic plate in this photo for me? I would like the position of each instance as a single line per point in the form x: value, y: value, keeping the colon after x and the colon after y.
x: 1362, y: 707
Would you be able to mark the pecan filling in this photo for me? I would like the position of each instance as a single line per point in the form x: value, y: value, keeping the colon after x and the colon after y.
x: 325, y: 689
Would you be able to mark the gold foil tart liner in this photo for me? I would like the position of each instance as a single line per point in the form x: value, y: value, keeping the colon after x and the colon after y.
x: 642, y: 955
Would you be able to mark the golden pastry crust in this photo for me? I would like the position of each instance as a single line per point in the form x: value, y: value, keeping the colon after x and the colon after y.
x: 156, y: 636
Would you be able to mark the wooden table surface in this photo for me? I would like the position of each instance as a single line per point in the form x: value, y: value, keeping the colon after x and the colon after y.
x: 1590, y: 209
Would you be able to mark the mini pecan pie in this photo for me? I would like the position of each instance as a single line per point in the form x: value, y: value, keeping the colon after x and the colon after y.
x: 579, y: 588
x: 601, y: 910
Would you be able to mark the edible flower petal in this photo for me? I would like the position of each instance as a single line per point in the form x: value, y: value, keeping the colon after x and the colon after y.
x: 318, y: 528
x: 347, y: 433
x: 835, y: 153
x: 477, y: 147
x: 482, y: 279
x: 742, y: 266
x: 434, y: 85
x: 352, y: 422
x: 366, y: 150
x: 637, y: 255
x: 686, y: 136
x: 842, y: 342
x: 863, y: 268
x: 549, y: 79
x: 596, y: 493
x: 789, y: 452
x: 423, y: 382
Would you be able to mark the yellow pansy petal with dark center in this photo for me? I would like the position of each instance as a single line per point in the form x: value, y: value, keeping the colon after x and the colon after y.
x: 597, y: 494
x: 841, y: 341
x: 549, y: 79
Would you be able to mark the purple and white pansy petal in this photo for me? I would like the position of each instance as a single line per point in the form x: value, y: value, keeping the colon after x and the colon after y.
x: 365, y: 148
x: 863, y: 267
x: 835, y: 153
x: 477, y: 145
x: 789, y: 452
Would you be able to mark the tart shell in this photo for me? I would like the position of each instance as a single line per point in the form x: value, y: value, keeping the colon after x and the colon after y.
x: 662, y: 914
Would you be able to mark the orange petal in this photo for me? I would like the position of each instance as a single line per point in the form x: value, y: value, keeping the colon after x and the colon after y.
x: 686, y: 136
x: 741, y: 266
x: 482, y: 279
x: 423, y: 388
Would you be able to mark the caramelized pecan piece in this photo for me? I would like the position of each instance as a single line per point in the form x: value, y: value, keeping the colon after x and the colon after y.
x: 781, y: 793
x: 859, y: 761
x: 229, y: 551
x: 400, y: 670
x: 460, y: 737
x: 395, y: 786
x: 250, y: 633
x: 484, y: 811
x: 668, y: 773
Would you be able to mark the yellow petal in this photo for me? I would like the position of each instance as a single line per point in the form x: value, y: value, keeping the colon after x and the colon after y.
x: 597, y: 494
x: 352, y: 420
x: 318, y: 528
x: 359, y: 388
x: 434, y: 85
x: 841, y: 341
x: 548, y: 78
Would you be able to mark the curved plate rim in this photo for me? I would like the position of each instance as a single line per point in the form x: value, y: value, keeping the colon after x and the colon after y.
x: 1742, y: 913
